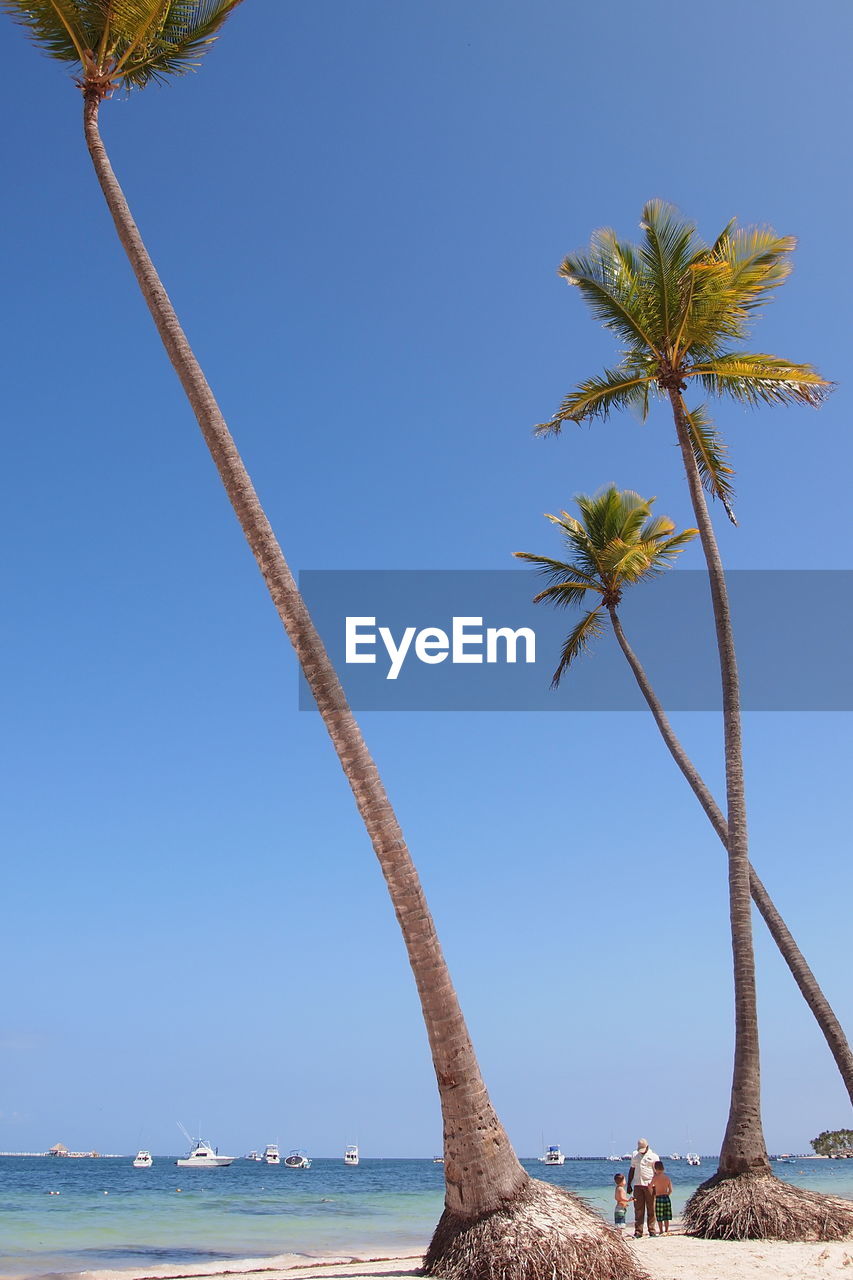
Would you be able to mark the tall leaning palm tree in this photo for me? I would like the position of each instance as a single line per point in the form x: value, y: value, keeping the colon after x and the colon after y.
x: 681, y: 309
x: 613, y: 546
x: 497, y: 1221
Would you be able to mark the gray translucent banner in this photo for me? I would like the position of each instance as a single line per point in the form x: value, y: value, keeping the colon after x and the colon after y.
x: 472, y: 640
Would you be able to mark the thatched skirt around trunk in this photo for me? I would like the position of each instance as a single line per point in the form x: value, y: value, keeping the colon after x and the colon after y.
x: 545, y: 1233
x: 758, y: 1206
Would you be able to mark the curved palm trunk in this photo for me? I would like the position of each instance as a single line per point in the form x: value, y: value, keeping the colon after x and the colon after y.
x: 481, y: 1169
x: 794, y: 958
x: 743, y: 1149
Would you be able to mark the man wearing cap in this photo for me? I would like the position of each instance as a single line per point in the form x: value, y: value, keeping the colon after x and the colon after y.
x: 640, y: 1178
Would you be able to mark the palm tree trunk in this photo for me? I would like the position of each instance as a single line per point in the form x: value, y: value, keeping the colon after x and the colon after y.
x: 481, y: 1169
x: 793, y: 957
x: 743, y: 1149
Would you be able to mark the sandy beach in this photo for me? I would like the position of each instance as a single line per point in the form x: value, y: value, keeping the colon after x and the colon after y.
x: 676, y: 1258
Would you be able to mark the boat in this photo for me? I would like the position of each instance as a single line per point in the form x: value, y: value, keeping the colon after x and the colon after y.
x: 351, y: 1154
x: 553, y: 1156
x: 253, y: 1155
x: 297, y: 1160
x: 203, y: 1156
x: 674, y: 1155
x: 692, y: 1158
x: 143, y: 1160
x: 271, y: 1154
x: 438, y: 1159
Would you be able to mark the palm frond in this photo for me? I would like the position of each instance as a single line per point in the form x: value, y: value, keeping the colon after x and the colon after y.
x: 712, y: 316
x: 176, y: 43
x: 62, y: 28
x: 670, y: 244
x: 579, y: 544
x: 757, y: 378
x: 724, y: 235
x: 673, y: 546
x: 655, y: 528
x: 568, y: 584
x: 597, y: 397
x: 758, y: 260
x: 728, y: 283
x: 591, y: 626
x: 608, y: 278
x: 631, y: 515
x: 711, y: 457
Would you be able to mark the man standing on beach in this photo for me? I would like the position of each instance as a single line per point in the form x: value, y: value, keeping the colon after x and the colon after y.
x: 640, y: 1178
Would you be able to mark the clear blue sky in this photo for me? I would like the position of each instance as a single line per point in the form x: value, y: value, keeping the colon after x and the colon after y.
x: 359, y: 210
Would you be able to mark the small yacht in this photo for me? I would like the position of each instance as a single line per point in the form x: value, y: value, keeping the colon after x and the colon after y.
x: 297, y: 1160
x: 674, y: 1155
x: 143, y: 1160
x: 553, y: 1156
x: 203, y: 1156
x: 351, y: 1154
x: 618, y: 1159
x: 271, y: 1154
x: 692, y: 1158
x: 254, y: 1155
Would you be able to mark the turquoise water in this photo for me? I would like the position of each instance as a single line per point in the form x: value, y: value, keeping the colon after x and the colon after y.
x: 251, y: 1210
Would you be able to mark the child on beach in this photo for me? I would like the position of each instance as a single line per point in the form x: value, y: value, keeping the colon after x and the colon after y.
x: 662, y: 1188
x: 622, y: 1201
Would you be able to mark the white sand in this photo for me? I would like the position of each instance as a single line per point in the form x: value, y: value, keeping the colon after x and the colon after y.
x: 675, y: 1258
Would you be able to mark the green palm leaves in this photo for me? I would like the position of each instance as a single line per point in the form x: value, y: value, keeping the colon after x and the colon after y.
x: 127, y: 42
x: 616, y: 543
x: 681, y: 308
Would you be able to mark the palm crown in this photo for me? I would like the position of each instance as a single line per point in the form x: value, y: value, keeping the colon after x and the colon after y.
x: 617, y: 542
x: 681, y: 309
x: 122, y: 42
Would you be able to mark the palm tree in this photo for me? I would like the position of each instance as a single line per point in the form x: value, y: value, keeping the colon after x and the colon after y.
x: 497, y: 1220
x: 681, y: 308
x: 613, y: 546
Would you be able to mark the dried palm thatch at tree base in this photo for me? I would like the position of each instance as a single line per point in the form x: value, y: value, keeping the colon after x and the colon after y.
x: 544, y: 1234
x: 757, y: 1206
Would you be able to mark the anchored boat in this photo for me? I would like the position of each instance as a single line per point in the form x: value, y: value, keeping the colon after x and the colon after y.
x: 297, y: 1160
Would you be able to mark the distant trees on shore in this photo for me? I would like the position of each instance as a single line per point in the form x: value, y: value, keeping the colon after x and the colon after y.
x: 833, y: 1142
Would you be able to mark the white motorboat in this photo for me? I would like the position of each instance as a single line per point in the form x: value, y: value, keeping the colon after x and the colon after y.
x: 204, y: 1156
x: 351, y: 1154
x: 553, y: 1156
x: 271, y: 1154
x: 674, y: 1155
x: 692, y: 1158
x: 297, y: 1160
x: 253, y: 1155
x: 143, y: 1160
x: 618, y: 1159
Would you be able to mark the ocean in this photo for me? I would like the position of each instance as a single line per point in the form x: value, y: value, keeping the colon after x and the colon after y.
x: 110, y: 1216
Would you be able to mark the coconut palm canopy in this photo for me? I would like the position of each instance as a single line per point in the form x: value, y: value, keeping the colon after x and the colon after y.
x: 616, y: 543
x: 122, y: 42
x: 682, y: 308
